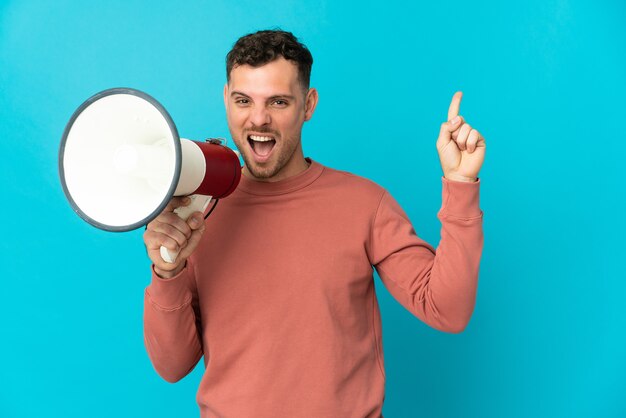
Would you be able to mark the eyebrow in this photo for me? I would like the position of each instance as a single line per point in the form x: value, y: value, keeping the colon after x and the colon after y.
x: 238, y: 93
x: 277, y: 96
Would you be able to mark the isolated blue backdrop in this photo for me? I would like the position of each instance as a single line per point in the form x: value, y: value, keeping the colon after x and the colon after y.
x: 543, y: 81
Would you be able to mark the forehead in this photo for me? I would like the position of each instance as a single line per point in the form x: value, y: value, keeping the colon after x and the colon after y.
x: 277, y: 77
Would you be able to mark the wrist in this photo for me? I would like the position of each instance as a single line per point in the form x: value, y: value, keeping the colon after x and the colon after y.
x: 168, y: 274
x: 458, y: 177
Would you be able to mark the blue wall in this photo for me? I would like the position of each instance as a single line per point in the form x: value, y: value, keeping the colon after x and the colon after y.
x: 544, y: 81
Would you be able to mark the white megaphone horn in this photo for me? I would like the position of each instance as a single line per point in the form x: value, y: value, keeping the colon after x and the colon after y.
x: 121, y: 161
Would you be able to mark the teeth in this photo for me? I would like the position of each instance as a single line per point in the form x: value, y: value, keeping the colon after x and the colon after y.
x: 261, y: 138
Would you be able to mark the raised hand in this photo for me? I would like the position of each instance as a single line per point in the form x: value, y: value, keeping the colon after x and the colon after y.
x: 461, y: 148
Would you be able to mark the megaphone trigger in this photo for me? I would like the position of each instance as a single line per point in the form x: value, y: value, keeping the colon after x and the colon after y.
x: 199, y: 203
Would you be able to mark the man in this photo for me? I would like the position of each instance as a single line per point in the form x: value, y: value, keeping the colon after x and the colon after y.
x: 275, y: 289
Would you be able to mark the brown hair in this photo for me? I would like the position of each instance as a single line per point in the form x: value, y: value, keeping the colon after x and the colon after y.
x: 259, y: 48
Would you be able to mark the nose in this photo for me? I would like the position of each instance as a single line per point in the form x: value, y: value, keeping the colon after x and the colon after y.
x: 259, y: 116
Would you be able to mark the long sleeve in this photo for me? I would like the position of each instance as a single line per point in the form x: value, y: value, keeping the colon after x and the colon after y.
x: 439, y: 287
x: 171, y: 329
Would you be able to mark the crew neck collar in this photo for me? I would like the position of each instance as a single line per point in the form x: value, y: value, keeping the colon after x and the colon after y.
x: 288, y: 185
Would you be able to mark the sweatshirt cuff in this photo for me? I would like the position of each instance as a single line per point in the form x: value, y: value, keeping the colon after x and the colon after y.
x: 460, y: 199
x: 173, y: 293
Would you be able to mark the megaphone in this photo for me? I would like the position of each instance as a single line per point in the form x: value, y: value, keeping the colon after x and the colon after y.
x: 121, y: 161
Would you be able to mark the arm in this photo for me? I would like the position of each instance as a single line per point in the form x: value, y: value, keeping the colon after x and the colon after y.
x: 172, y: 330
x: 171, y: 325
x: 439, y: 287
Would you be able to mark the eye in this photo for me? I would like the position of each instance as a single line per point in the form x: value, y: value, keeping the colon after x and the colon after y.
x: 242, y: 101
x: 279, y: 103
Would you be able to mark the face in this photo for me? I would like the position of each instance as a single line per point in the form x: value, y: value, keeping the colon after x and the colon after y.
x: 266, y: 107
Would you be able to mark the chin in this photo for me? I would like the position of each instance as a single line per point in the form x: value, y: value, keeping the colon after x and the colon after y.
x: 263, y: 173
x: 261, y: 176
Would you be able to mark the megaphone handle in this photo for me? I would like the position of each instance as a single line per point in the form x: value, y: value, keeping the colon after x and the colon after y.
x: 198, y: 203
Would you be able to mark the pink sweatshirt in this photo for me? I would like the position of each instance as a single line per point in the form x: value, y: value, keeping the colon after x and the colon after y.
x: 279, y: 296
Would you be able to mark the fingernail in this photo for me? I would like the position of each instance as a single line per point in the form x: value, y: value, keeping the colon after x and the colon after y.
x: 455, y: 120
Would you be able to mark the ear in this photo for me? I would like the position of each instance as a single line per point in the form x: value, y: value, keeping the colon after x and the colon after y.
x: 226, y: 96
x: 310, y: 103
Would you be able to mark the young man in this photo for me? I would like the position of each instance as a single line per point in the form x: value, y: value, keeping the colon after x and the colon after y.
x: 276, y: 289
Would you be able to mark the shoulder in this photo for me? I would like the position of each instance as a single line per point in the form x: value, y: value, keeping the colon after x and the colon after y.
x: 350, y: 185
x: 352, y: 179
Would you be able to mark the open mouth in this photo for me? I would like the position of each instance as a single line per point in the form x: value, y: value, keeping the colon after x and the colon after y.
x: 261, y: 145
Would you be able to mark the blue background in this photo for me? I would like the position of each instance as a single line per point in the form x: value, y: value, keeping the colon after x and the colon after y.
x: 544, y: 81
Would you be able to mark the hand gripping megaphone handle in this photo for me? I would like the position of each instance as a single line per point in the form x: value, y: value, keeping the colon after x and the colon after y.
x: 198, y: 203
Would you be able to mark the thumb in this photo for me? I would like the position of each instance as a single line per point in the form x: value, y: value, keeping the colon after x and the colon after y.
x: 192, y: 242
x: 196, y: 223
x: 445, y: 133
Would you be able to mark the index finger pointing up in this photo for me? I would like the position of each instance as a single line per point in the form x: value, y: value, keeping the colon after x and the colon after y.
x: 455, y: 104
